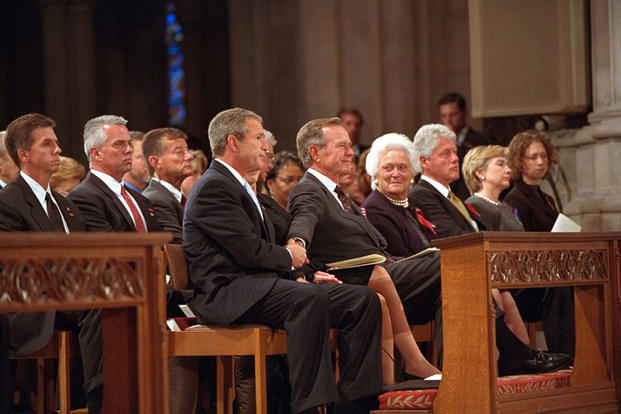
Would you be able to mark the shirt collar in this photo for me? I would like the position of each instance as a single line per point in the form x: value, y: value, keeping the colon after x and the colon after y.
x: 108, y: 180
x: 175, y: 192
x: 441, y: 188
x: 233, y: 171
x: 36, y: 188
x: 327, y: 182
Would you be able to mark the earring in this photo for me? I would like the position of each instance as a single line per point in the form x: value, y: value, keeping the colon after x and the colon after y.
x: 482, y: 178
x: 412, y: 181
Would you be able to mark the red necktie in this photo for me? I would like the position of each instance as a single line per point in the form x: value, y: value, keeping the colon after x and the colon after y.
x: 347, y: 203
x: 140, y: 226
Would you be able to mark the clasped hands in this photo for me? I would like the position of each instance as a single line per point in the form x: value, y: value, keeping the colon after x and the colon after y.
x: 298, y: 259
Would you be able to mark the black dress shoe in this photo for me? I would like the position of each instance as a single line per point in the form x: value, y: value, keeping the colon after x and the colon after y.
x: 539, y: 362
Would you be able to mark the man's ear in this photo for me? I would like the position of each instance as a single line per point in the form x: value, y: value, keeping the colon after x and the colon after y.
x: 22, y: 154
x: 423, y: 161
x: 313, y: 151
x: 153, y: 161
x: 94, y: 151
x: 232, y: 142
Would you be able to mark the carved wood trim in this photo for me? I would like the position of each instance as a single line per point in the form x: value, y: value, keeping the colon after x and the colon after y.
x: 60, y: 280
x: 519, y: 266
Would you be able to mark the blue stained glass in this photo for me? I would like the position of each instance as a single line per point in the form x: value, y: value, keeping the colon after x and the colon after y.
x: 176, y: 76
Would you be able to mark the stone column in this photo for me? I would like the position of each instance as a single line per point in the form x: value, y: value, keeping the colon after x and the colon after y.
x: 591, y: 154
x: 69, y: 68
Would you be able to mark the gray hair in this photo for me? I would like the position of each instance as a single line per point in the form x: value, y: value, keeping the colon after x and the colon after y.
x: 311, y: 133
x: 385, y: 143
x: 427, y: 136
x: 229, y: 122
x: 270, y: 139
x: 94, y: 133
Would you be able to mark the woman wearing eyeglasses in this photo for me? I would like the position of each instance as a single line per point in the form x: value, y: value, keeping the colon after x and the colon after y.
x: 530, y: 157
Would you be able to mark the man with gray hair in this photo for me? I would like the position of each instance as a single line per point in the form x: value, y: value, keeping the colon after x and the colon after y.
x: 104, y: 202
x: 437, y: 154
x: 8, y: 169
x: 242, y: 276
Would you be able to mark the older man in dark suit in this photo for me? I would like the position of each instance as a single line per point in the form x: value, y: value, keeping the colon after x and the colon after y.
x: 169, y: 162
x: 241, y: 276
x: 28, y: 204
x: 437, y: 153
x: 104, y: 202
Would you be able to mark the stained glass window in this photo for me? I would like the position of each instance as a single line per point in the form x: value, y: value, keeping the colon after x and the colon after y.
x: 176, y: 87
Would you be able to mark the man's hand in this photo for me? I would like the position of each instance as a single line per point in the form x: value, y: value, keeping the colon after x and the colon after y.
x: 298, y: 254
x: 323, y: 277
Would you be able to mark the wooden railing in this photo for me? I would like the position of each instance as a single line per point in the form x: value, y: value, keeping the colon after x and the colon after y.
x: 474, y: 264
x: 119, y: 272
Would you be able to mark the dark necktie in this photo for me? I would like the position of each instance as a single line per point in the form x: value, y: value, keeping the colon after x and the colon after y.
x: 54, y: 214
x: 347, y: 203
x: 139, y: 223
x: 183, y: 200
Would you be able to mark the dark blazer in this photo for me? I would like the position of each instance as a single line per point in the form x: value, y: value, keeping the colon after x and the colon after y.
x: 439, y: 210
x: 535, y: 213
x: 279, y: 217
x: 331, y: 233
x: 391, y: 221
x: 228, y: 246
x: 21, y: 211
x: 168, y: 210
x: 103, y: 211
x: 473, y: 139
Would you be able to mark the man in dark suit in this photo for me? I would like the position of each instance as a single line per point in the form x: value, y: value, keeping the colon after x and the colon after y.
x: 104, y: 202
x: 169, y: 162
x: 437, y: 154
x: 454, y: 114
x: 28, y: 204
x: 241, y: 276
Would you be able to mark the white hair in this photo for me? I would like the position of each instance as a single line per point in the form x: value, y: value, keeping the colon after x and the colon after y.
x: 94, y: 133
x: 427, y: 136
x: 386, y: 143
x: 270, y: 138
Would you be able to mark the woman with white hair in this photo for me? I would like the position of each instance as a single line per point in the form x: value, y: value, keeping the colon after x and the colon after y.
x: 391, y: 163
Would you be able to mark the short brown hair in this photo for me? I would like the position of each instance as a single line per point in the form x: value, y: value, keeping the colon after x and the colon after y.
x: 517, y: 149
x: 19, y: 132
x: 153, y: 142
x: 67, y: 169
x: 477, y: 159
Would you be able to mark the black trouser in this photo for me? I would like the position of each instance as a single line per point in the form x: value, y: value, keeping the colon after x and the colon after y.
x: 307, y: 312
x: 554, y: 307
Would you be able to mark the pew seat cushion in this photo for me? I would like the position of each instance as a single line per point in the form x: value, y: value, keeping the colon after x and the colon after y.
x: 423, y: 399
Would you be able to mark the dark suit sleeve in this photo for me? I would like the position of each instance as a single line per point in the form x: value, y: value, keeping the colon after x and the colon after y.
x: 306, y: 205
x: 92, y: 208
x: 218, y: 212
x: 10, y: 219
x: 167, y: 218
x: 434, y: 211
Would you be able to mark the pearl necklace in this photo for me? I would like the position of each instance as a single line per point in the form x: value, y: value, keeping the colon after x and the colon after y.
x: 496, y: 203
x: 401, y: 203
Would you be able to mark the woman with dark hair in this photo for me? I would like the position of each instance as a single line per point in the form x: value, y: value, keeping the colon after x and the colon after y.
x: 530, y: 157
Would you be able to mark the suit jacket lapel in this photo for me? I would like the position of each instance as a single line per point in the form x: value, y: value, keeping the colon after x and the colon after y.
x: 94, y: 180
x: 36, y: 211
x: 448, y: 206
x: 359, y: 220
x: 262, y: 223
